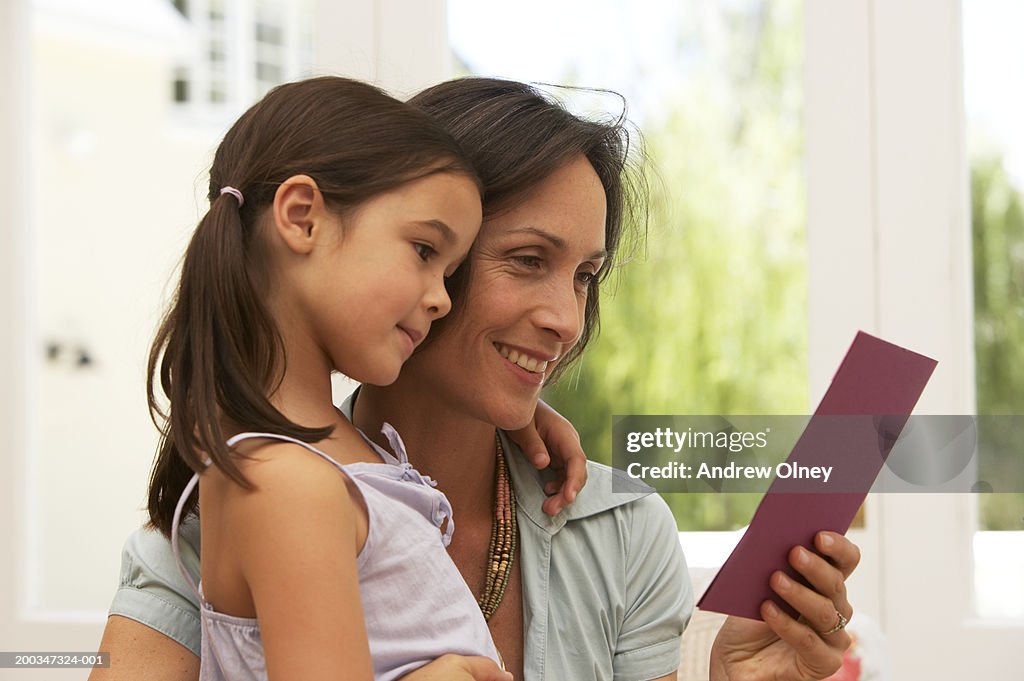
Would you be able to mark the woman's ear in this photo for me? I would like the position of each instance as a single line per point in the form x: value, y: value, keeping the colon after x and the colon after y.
x: 298, y: 207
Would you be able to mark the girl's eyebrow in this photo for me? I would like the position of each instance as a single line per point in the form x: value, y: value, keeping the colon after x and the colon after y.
x: 442, y: 228
x: 556, y: 241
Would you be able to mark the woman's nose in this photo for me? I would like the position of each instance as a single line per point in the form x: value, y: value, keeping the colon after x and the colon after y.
x: 561, y: 311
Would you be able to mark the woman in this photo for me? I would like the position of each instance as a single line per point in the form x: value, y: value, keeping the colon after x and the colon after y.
x: 600, y: 590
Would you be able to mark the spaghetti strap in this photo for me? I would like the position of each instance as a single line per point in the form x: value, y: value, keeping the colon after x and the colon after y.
x: 400, y: 456
x: 187, y: 492
x: 174, y: 533
x: 275, y: 436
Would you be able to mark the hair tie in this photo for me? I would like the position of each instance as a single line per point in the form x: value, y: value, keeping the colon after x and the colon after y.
x: 235, y: 193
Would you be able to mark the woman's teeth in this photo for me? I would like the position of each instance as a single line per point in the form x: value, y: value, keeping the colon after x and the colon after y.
x: 529, y: 363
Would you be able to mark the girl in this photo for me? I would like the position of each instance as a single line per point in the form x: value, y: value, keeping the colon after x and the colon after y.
x: 336, y: 214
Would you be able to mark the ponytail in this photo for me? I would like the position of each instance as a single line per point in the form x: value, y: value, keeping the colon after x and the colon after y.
x: 219, y: 354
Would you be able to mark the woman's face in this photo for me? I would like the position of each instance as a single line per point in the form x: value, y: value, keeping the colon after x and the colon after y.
x: 524, y: 304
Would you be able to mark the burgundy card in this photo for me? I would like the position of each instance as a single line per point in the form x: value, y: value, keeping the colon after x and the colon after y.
x: 877, y: 380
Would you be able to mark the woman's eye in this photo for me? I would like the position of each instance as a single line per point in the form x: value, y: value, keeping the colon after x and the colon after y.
x: 529, y: 261
x: 424, y: 251
x: 586, y: 278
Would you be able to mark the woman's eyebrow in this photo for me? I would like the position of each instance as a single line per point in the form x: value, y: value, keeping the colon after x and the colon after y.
x: 442, y: 228
x: 556, y: 241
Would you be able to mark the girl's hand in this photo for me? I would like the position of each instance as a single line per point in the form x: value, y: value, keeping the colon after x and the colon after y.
x: 550, y: 440
x: 459, y: 668
x: 782, y: 647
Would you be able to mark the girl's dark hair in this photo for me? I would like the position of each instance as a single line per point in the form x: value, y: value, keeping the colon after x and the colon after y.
x: 218, y: 353
x: 516, y: 136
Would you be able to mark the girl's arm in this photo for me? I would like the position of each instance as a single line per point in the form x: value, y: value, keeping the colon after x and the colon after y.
x: 294, y: 541
x: 459, y: 668
x: 298, y: 538
x: 550, y: 440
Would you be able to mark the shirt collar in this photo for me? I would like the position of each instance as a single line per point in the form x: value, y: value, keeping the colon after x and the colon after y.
x: 349, y: 404
x: 596, y: 497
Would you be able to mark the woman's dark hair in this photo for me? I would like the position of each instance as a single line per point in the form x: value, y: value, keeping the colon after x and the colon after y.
x: 218, y: 353
x: 516, y: 136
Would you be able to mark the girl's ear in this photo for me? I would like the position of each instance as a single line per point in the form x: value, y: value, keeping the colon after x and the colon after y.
x: 298, y: 207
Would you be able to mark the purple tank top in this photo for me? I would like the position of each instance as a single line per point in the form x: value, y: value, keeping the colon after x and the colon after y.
x: 416, y: 604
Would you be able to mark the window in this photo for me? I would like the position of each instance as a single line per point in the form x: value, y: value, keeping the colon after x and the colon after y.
x: 247, y: 47
x: 180, y: 86
x: 996, y: 155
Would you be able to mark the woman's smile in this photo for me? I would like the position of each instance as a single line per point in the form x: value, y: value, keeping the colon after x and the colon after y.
x: 532, y: 363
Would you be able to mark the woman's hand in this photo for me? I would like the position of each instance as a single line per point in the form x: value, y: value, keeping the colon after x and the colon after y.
x: 459, y: 668
x: 782, y: 647
x: 550, y: 440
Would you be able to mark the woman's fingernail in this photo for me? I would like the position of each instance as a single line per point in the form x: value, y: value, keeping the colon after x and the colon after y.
x: 803, y: 558
x: 771, y: 610
x: 827, y: 541
x: 784, y: 582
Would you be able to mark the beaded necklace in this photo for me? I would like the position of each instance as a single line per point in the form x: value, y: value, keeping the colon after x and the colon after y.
x: 504, y: 532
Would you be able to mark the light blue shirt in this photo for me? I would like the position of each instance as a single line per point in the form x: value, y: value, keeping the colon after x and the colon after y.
x: 606, y: 593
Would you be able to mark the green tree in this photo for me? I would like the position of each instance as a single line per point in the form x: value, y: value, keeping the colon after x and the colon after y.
x: 997, y: 220
x: 713, y: 320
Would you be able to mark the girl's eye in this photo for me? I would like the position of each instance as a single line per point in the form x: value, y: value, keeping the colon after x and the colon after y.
x: 424, y: 251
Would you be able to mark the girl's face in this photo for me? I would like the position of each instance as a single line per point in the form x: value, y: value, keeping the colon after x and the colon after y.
x: 524, y: 306
x: 375, y: 280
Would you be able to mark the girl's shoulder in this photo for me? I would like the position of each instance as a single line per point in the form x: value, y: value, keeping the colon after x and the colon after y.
x: 344, y: 446
x: 299, y: 509
x: 280, y: 474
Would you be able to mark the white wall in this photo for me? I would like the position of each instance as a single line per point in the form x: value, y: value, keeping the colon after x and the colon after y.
x: 113, y: 205
x: 14, y: 54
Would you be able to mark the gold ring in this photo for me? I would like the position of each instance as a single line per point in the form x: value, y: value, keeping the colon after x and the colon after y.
x: 841, y: 623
